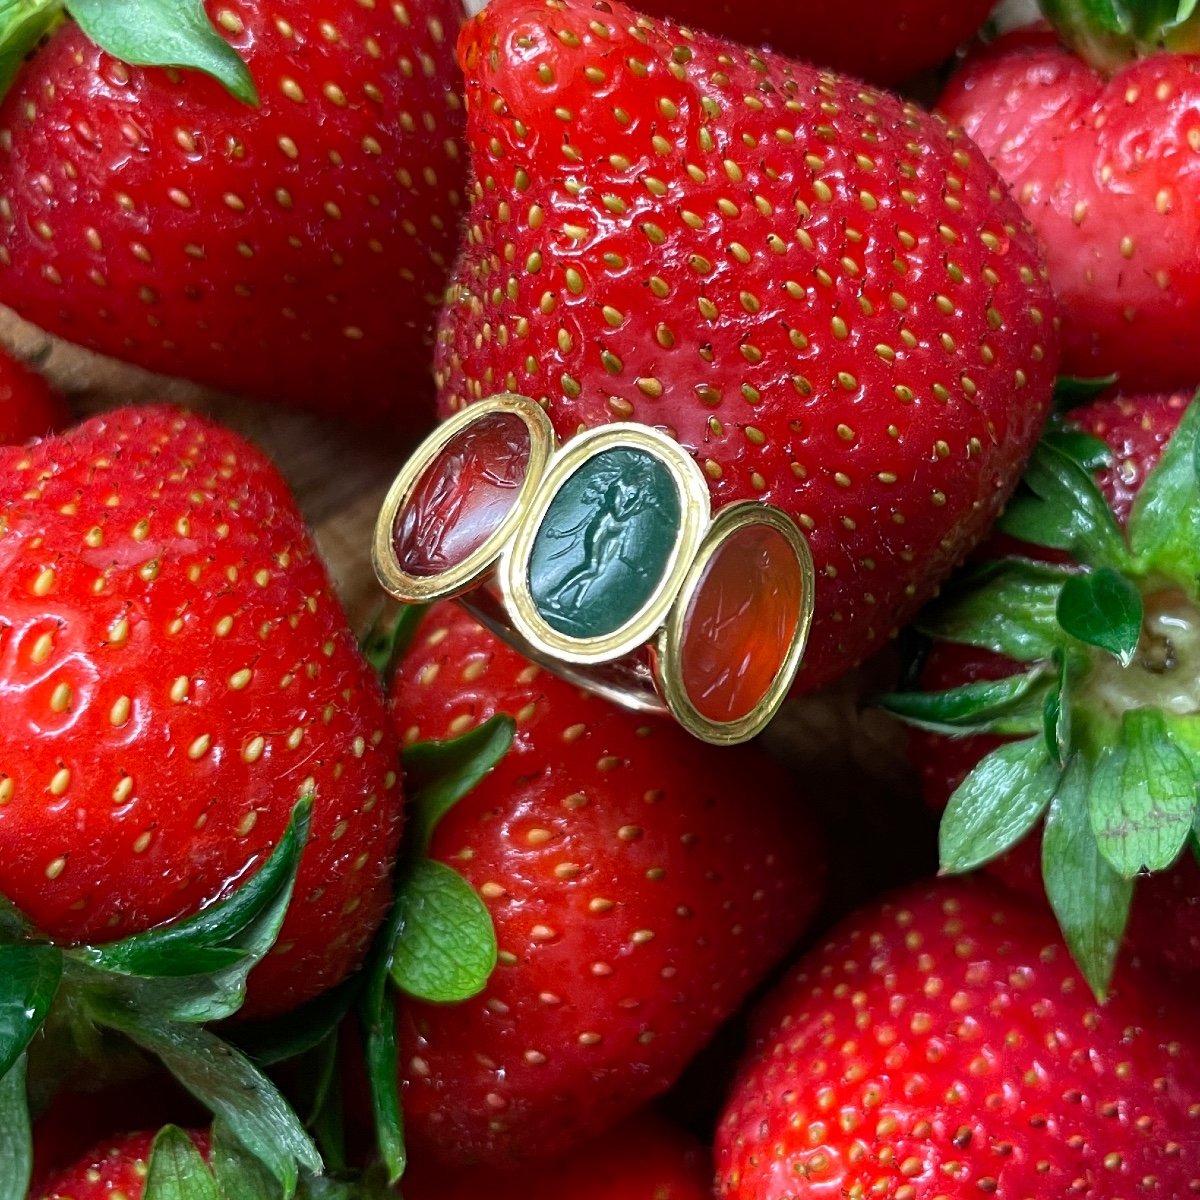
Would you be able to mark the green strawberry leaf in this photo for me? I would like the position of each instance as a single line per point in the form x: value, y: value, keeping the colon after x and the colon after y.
x: 385, y: 643
x: 377, y: 1017
x: 23, y: 23
x: 1164, y: 524
x: 1102, y: 608
x: 1056, y: 711
x: 997, y: 804
x: 1142, y: 796
x: 29, y: 979
x: 1091, y: 453
x: 230, y: 1086
x: 276, y: 1039
x: 196, y: 969
x: 1089, y: 898
x: 1008, y: 606
x: 1064, y: 509
x: 325, y: 1105
x: 1005, y: 706
x: 239, y: 1175
x: 16, y: 1142
x: 439, y: 774
x: 177, y: 1171
x: 1072, y: 390
x: 165, y: 33
x: 446, y: 950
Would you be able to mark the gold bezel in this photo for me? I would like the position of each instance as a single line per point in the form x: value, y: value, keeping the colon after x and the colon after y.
x: 668, y: 660
x: 695, y: 510
x: 424, y: 589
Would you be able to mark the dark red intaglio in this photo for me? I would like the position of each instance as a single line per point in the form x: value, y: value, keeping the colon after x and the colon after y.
x: 942, y: 1043
x: 463, y: 496
x: 826, y: 295
x: 290, y: 243
x: 640, y: 884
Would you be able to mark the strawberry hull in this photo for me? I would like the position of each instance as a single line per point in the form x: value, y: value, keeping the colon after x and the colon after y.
x: 825, y: 295
x: 296, y: 252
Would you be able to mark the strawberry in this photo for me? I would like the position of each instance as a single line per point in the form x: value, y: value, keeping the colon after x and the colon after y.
x: 942, y: 1044
x: 644, y: 1158
x: 884, y: 42
x: 1065, y: 674
x: 1164, y: 922
x: 176, y: 672
x: 29, y: 406
x: 824, y: 294
x: 114, y: 1168
x: 1102, y: 165
x: 295, y: 250
x: 639, y: 885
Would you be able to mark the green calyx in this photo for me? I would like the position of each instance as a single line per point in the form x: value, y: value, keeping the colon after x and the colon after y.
x: 158, y: 989
x: 149, y: 33
x: 1107, y: 705
x: 1110, y: 33
x: 438, y: 944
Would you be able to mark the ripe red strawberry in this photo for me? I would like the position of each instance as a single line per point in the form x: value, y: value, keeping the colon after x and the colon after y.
x: 1103, y: 167
x: 640, y: 884
x: 296, y: 251
x: 824, y: 294
x: 884, y: 42
x: 942, y: 1044
x: 175, y: 673
x: 113, y: 1170
x: 644, y: 1158
x: 1165, y: 916
x: 29, y: 406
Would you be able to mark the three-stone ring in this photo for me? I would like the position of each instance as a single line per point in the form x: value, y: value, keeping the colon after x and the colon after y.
x: 603, y: 561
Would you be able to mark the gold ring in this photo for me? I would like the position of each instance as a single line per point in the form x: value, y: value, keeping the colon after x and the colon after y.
x: 602, y: 560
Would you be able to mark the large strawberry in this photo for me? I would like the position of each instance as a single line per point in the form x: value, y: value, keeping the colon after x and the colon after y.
x: 884, y: 42
x: 639, y: 885
x: 293, y: 249
x: 1069, y: 675
x: 29, y: 406
x: 1104, y: 164
x: 643, y: 1158
x: 182, y: 700
x: 824, y: 294
x: 943, y: 1044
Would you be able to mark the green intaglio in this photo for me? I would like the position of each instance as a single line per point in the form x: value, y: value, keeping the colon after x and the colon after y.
x: 605, y: 543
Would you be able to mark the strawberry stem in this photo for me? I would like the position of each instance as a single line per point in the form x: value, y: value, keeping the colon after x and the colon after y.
x: 1109, y: 33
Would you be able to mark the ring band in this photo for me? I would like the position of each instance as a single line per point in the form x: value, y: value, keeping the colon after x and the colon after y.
x: 603, y: 561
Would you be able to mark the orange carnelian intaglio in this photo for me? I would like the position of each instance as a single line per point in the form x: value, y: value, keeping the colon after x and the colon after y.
x: 740, y: 622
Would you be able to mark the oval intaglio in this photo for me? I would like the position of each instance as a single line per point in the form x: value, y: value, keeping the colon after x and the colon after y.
x: 741, y: 622
x: 463, y: 496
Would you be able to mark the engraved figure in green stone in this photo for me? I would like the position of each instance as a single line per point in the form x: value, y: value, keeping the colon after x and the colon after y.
x: 620, y: 510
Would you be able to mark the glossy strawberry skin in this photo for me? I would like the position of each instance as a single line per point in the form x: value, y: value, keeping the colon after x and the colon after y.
x: 175, y: 673
x: 1105, y: 171
x: 1164, y: 925
x: 644, y: 1158
x: 29, y: 406
x: 640, y: 883
x: 825, y: 296
x: 943, y: 1043
x: 884, y: 42
x: 113, y: 1169
x: 295, y: 253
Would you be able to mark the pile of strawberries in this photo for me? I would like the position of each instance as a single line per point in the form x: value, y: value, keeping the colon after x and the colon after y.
x: 290, y: 909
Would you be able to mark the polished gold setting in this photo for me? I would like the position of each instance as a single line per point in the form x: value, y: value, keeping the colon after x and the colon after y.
x: 603, y: 561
